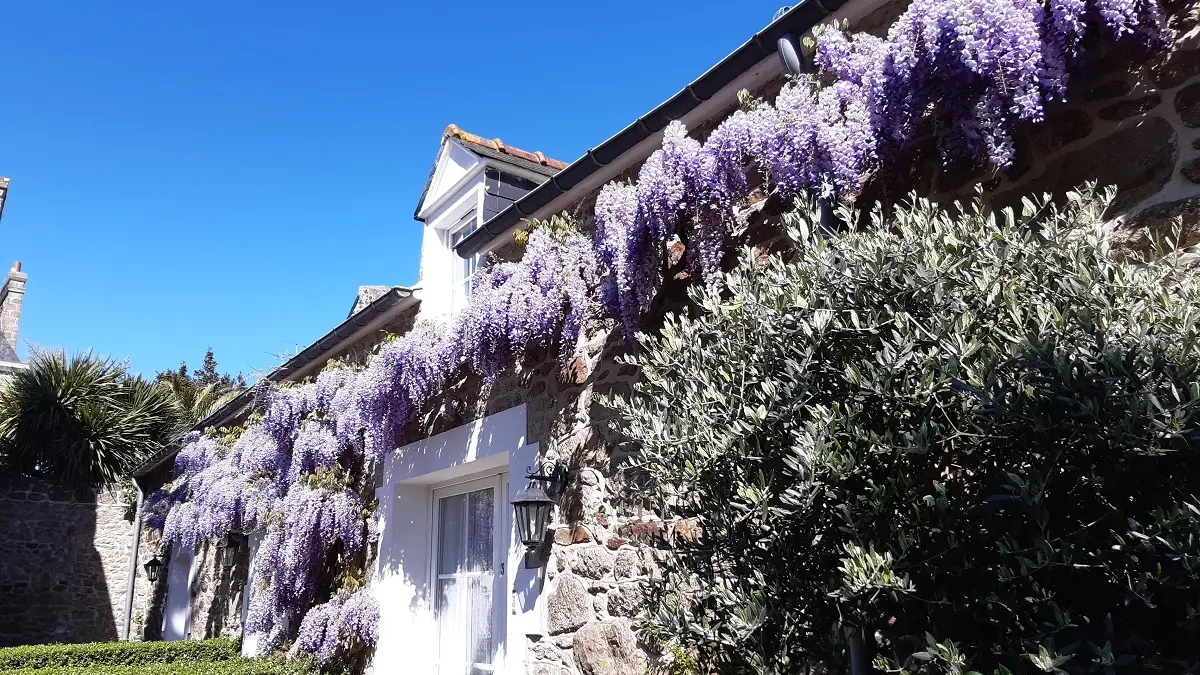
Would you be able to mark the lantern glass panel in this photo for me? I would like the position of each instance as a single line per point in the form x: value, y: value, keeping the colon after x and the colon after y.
x: 541, y: 520
x: 532, y: 510
x: 152, y: 568
x: 525, y: 524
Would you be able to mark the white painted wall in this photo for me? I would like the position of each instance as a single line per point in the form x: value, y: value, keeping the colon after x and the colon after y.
x: 407, y: 631
x: 438, y: 261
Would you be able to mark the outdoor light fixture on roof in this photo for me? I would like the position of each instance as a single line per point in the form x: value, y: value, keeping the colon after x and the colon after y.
x: 534, y: 509
x: 791, y: 55
x: 153, y: 567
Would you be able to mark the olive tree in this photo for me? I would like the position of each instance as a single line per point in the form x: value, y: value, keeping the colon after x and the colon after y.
x: 951, y: 441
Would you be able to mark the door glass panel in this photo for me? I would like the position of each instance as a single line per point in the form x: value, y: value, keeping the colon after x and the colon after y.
x: 481, y: 619
x: 479, y: 539
x: 452, y: 626
x: 465, y: 604
x: 452, y: 519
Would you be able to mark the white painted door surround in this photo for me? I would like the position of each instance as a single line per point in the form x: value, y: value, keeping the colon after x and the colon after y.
x: 177, y: 612
x: 489, y: 453
x: 250, y: 640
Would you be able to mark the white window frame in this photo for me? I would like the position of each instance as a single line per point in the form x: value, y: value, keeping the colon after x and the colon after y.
x: 498, y: 483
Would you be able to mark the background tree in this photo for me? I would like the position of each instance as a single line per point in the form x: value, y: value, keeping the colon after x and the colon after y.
x: 202, y: 392
x: 83, y: 420
x: 206, y: 375
x: 960, y: 443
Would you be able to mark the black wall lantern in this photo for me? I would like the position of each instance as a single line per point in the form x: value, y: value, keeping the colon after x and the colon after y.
x: 228, y: 547
x: 534, y: 509
x: 153, y: 568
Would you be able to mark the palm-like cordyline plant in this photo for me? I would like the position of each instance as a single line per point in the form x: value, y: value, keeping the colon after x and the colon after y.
x: 196, y: 402
x: 82, y: 419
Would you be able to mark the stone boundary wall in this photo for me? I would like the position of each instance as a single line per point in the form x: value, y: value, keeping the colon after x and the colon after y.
x: 63, y: 563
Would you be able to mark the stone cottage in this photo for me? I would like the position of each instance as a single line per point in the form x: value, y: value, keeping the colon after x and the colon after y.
x: 444, y: 496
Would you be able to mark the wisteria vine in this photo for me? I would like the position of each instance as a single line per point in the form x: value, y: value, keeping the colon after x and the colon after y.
x: 966, y: 72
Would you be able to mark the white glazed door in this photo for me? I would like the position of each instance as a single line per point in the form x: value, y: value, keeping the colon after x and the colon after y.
x: 468, y: 575
x: 177, y: 615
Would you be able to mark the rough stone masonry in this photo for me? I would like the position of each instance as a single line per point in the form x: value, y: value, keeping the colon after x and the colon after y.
x: 63, y: 557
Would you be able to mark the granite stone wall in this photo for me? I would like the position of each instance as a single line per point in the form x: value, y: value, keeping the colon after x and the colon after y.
x: 63, y: 563
x: 216, y: 594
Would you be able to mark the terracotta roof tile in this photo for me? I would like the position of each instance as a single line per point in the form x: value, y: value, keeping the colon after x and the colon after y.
x: 498, y: 145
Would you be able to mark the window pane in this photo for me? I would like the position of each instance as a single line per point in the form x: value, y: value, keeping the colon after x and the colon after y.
x: 452, y: 522
x: 481, y: 619
x: 479, y: 539
x: 464, y: 231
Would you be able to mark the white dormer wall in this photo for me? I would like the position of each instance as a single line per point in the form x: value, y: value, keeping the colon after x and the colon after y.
x: 456, y: 190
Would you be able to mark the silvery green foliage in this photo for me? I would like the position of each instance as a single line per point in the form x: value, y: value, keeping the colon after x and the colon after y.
x: 971, y: 438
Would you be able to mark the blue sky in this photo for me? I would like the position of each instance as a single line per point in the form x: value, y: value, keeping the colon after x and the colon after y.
x: 226, y: 174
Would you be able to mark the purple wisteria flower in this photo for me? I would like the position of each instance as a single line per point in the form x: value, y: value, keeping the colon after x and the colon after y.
x: 540, y: 301
x: 967, y: 71
x: 320, y: 630
x: 360, y: 617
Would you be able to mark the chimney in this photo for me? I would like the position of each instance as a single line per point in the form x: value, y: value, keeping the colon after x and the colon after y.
x: 12, y: 294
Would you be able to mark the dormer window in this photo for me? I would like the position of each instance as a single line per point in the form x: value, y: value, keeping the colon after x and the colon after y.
x: 473, y: 181
x: 464, y: 268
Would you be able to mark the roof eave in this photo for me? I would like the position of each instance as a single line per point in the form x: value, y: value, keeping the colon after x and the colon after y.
x: 799, y: 19
x: 346, y: 330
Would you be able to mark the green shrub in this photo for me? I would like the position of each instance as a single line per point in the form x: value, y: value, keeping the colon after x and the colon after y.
x: 963, y: 442
x: 116, y: 654
x: 231, y: 667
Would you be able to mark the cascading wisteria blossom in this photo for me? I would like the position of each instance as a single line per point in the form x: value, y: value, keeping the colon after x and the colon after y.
x: 968, y: 71
x: 320, y: 630
x: 540, y: 301
x: 292, y: 472
x: 338, y: 621
x: 360, y: 617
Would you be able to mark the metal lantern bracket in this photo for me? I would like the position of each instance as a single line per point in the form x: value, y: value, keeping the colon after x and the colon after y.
x: 555, y: 476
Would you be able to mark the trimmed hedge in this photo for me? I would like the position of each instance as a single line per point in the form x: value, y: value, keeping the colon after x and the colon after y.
x: 232, y: 667
x: 110, y: 654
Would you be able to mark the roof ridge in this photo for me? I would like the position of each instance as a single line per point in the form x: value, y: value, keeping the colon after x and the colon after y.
x: 454, y: 131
